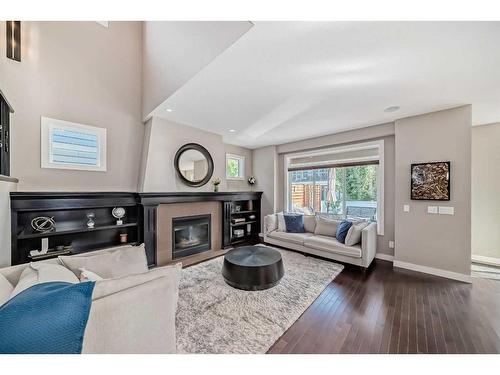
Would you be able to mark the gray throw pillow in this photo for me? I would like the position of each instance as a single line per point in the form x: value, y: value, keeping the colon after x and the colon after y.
x: 326, y: 227
x: 120, y: 261
x: 309, y: 223
x: 353, y: 236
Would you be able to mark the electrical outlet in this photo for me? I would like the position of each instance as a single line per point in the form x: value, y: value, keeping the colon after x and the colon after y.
x: 406, y: 208
x: 391, y: 244
x: 432, y: 209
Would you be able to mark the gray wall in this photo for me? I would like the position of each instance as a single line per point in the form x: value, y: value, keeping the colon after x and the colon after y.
x: 265, y: 168
x: 485, y: 190
x: 80, y: 72
x: 275, y: 197
x: 431, y: 240
x: 164, y: 138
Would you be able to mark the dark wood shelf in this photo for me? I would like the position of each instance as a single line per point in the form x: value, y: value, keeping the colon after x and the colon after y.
x: 244, y: 212
x: 244, y: 223
x: 71, y: 230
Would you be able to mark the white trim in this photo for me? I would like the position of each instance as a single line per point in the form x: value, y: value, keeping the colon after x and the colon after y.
x: 241, y: 170
x: 433, y: 271
x: 389, y: 258
x: 486, y: 260
x: 46, y: 125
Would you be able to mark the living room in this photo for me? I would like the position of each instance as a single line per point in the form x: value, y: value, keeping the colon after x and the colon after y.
x: 209, y: 185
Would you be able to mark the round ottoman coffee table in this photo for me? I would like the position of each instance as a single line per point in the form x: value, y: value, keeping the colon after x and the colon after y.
x: 252, y: 267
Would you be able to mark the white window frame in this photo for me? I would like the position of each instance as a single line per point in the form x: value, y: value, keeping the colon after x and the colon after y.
x: 241, y: 160
x: 332, y: 150
x: 47, y: 126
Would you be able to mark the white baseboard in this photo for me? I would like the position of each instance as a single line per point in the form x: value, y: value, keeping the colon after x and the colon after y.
x: 389, y: 258
x: 486, y: 260
x: 433, y: 271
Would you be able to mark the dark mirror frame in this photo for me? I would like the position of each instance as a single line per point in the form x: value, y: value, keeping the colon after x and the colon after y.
x: 206, y: 154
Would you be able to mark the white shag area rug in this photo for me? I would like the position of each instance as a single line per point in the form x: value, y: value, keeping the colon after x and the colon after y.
x: 213, y: 317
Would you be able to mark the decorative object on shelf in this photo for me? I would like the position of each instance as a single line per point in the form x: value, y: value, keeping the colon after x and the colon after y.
x: 252, y: 180
x: 123, y: 237
x: 249, y: 228
x: 90, y: 221
x: 250, y: 205
x: 238, y: 220
x: 118, y: 213
x: 43, y: 224
x: 13, y: 34
x: 193, y: 164
x: 238, y: 233
x: 44, y: 249
x: 430, y: 181
x: 251, y: 217
x: 237, y: 208
x: 216, y: 183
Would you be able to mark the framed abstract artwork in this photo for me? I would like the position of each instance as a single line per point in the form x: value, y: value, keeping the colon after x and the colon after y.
x: 430, y: 181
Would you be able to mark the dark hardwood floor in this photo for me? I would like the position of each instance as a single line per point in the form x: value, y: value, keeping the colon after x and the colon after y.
x: 397, y: 311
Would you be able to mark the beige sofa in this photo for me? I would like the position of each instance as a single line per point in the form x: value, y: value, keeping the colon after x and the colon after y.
x: 129, y: 314
x: 326, y: 246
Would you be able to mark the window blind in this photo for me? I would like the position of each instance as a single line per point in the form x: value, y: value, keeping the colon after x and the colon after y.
x: 74, y: 147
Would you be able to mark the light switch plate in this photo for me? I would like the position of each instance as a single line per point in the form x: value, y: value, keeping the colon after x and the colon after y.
x: 391, y: 244
x: 406, y: 208
x: 432, y: 209
x: 443, y: 210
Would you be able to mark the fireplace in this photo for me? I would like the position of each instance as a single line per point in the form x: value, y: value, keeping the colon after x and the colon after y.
x: 190, y: 235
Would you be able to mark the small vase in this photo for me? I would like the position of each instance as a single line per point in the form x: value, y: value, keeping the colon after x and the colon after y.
x: 216, y: 188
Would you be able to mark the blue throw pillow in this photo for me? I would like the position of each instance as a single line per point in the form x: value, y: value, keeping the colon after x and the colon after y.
x: 294, y: 223
x: 342, y: 230
x: 47, y: 318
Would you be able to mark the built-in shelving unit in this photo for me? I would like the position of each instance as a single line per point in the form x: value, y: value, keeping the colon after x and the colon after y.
x: 248, y: 211
x: 69, y: 211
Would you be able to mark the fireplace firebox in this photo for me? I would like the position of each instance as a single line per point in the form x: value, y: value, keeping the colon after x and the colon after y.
x: 190, y: 235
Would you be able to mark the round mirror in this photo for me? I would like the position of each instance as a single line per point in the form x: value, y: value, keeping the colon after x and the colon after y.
x: 193, y: 164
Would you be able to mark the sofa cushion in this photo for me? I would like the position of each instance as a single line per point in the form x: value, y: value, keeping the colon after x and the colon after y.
x: 271, y: 223
x: 326, y: 227
x: 121, y: 261
x: 37, y: 273
x: 309, y: 223
x: 297, y: 238
x: 353, y: 236
x: 331, y: 244
x: 342, y: 230
x: 123, y: 307
x: 6, y: 289
x: 294, y: 223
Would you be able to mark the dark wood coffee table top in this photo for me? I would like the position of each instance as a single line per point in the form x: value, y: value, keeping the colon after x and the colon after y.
x: 253, y: 267
x: 253, y: 256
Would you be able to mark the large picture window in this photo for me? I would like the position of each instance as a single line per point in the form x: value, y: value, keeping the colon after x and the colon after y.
x: 343, y: 192
x: 343, y: 182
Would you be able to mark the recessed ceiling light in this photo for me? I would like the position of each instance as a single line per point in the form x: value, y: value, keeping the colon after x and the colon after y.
x: 232, y: 130
x: 169, y: 109
x: 393, y: 108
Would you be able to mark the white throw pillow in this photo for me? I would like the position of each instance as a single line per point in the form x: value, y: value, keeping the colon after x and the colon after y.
x: 37, y: 273
x: 86, y: 275
x: 326, y: 227
x: 6, y: 289
x: 309, y: 223
x: 281, y: 222
x: 120, y: 261
x: 353, y: 236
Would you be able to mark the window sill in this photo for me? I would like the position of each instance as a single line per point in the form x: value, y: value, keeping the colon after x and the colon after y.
x: 8, y: 179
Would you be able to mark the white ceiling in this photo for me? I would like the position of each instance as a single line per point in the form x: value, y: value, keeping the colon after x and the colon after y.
x: 285, y: 81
